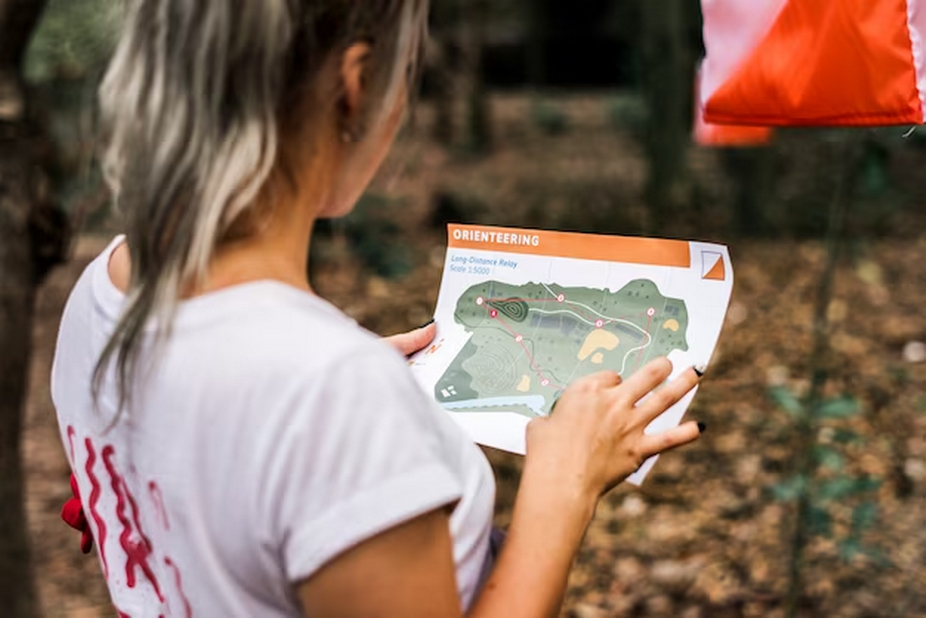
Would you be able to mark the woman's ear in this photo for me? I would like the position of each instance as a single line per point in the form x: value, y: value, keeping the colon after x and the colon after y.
x: 353, y: 80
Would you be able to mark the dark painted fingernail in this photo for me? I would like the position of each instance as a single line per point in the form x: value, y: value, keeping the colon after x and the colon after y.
x: 702, y: 427
x: 426, y: 324
x: 700, y: 370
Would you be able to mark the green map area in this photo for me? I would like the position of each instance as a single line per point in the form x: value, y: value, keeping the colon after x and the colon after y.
x: 530, y: 341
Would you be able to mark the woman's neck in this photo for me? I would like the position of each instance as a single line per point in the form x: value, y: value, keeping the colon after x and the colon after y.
x: 279, y: 251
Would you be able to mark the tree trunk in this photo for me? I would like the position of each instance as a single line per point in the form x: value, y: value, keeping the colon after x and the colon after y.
x: 751, y: 173
x: 20, y: 199
x: 667, y: 76
x: 441, y: 59
x: 536, y: 39
x: 17, y: 292
x: 478, y: 114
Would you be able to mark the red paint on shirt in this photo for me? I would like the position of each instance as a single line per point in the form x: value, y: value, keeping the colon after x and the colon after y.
x: 138, y: 551
x: 71, y: 434
x: 187, y: 608
x: 94, y: 499
x: 158, y: 499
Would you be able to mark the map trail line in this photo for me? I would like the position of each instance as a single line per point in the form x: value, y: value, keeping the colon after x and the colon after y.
x: 610, y: 320
x: 572, y: 302
x: 649, y: 322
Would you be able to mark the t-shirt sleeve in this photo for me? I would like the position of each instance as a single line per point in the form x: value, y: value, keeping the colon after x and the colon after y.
x: 360, y: 454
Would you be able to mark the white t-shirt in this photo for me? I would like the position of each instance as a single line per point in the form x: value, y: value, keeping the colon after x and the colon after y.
x: 272, y: 435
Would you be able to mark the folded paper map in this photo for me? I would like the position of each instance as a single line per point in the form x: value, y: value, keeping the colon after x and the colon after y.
x: 523, y: 313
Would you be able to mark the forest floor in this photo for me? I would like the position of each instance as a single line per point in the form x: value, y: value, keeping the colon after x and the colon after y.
x: 708, y: 533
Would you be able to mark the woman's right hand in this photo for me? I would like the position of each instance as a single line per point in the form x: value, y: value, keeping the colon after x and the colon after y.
x: 595, y: 439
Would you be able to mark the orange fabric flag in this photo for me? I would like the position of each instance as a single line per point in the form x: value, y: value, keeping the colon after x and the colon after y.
x: 814, y: 62
x: 725, y: 135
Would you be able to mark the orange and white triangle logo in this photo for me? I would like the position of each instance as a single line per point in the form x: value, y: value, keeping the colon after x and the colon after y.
x: 712, y: 266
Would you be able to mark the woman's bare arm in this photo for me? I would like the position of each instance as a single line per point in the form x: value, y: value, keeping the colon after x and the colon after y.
x: 593, y: 441
x: 405, y: 571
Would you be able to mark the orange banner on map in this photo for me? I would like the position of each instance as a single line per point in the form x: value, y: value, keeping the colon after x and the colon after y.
x: 654, y: 251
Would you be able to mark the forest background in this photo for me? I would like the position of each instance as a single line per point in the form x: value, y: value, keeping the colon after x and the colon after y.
x: 805, y: 498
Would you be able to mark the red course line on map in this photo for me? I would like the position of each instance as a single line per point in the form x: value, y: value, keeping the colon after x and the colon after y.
x: 529, y: 355
x: 572, y: 306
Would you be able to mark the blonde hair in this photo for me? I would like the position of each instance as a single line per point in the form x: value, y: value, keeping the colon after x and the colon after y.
x: 193, y: 104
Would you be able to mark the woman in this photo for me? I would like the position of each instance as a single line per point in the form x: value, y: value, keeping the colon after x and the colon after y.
x: 240, y: 447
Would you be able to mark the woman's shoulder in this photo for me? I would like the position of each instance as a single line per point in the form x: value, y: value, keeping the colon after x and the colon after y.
x: 267, y: 328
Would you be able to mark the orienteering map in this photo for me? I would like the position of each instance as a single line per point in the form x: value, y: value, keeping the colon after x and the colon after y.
x: 529, y: 342
x: 523, y: 313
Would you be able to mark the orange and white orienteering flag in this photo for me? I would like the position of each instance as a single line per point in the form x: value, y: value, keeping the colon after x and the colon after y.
x: 730, y: 135
x: 726, y: 135
x: 814, y: 62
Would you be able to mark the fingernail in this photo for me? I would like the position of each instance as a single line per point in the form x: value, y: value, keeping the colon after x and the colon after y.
x: 700, y: 370
x: 702, y: 427
x: 426, y: 324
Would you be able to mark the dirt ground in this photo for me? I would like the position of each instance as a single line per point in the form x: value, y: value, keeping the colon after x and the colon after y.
x: 706, y: 535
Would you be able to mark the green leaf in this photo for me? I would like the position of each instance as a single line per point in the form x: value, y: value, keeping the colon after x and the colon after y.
x: 819, y: 522
x: 790, y: 489
x: 841, y: 408
x: 786, y: 400
x: 837, y: 488
x: 845, y: 436
x: 829, y: 457
x: 878, y: 557
x: 849, y: 549
x: 866, y: 484
x: 864, y: 516
x: 845, y: 486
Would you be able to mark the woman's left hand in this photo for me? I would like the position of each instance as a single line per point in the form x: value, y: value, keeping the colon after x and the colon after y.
x: 413, y: 341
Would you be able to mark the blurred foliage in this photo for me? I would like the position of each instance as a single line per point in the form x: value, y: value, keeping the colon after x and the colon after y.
x: 372, y: 233
x: 785, y: 188
x: 839, y: 505
x: 628, y: 113
x: 784, y: 192
x: 73, y: 40
x: 64, y: 63
x: 549, y: 118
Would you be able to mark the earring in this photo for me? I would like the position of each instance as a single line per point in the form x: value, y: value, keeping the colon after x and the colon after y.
x: 351, y: 134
